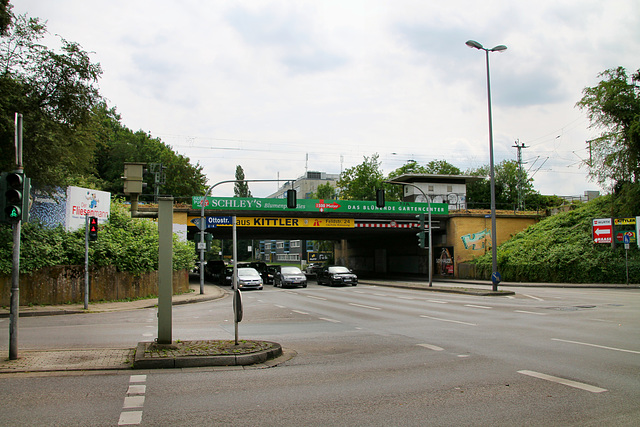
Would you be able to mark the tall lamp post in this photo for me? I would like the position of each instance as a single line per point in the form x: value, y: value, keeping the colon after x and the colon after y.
x: 495, y: 276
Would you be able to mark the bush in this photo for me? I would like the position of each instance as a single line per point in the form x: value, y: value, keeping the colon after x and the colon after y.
x: 561, y: 249
x: 129, y: 244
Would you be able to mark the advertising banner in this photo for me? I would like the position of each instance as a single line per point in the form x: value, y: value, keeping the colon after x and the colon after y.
x: 83, y: 202
x: 286, y: 222
x: 315, y: 205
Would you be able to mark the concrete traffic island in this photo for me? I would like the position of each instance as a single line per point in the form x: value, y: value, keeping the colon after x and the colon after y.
x: 189, y: 354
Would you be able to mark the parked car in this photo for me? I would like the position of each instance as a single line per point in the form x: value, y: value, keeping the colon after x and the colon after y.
x: 263, y: 269
x: 290, y: 277
x: 249, y: 278
x: 273, y: 271
x: 214, y: 271
x: 314, y: 268
x: 337, y: 275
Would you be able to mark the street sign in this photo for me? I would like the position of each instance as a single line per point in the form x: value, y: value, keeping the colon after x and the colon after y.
x: 213, y: 221
x: 602, y: 230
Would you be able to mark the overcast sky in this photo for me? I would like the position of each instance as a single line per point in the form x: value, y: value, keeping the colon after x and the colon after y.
x: 281, y: 87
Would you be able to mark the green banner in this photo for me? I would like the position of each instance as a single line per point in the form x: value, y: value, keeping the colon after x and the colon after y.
x: 314, y: 205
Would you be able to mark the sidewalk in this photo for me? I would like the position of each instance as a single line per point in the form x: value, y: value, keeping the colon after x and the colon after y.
x: 211, y: 292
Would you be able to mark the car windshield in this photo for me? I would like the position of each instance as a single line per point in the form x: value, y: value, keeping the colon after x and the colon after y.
x: 291, y: 270
x: 339, y: 270
x: 248, y: 272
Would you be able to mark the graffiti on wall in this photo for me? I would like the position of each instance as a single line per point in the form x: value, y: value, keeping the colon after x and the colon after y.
x: 475, y: 241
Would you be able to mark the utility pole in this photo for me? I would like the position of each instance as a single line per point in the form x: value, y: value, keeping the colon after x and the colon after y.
x: 521, y: 174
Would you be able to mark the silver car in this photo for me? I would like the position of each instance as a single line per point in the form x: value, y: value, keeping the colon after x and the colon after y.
x: 249, y: 278
x: 289, y: 277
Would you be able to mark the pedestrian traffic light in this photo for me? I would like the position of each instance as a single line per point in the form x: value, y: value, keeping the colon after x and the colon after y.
x: 291, y: 199
x: 15, y: 196
x: 93, y: 228
x: 421, y: 234
x: 380, y: 198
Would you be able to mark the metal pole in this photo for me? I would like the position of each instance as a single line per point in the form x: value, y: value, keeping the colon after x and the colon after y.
x: 165, y: 268
x: 235, y: 278
x: 86, y: 262
x: 15, y: 294
x: 494, y: 246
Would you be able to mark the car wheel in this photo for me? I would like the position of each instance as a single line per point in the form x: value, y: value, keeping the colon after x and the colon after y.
x: 304, y: 286
x: 355, y: 284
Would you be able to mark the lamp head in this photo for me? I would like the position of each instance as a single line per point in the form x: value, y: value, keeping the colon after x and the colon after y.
x: 475, y: 44
x: 499, y: 48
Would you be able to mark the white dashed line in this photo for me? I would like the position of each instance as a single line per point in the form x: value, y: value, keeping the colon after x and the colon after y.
x: 597, y: 346
x: 320, y: 298
x: 530, y: 312
x: 437, y: 301
x: 532, y: 297
x: 330, y: 320
x: 133, y: 400
x: 564, y: 381
x: 478, y: 306
x: 431, y: 347
x: 448, y: 320
x: 299, y: 312
x: 364, y: 306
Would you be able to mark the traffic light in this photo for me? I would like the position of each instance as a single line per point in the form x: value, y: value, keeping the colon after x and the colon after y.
x: 15, y: 196
x: 380, y: 198
x: 291, y: 199
x: 421, y: 234
x: 93, y: 228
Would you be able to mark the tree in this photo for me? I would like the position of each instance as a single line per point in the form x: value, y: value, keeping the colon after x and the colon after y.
x: 241, y: 188
x: 360, y: 182
x: 324, y: 191
x: 614, y: 107
x: 441, y: 167
x: 510, y: 183
x: 55, y: 92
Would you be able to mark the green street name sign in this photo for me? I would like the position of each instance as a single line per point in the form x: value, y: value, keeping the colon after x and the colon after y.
x: 315, y: 205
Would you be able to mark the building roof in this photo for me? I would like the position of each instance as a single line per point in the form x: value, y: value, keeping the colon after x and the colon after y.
x: 413, y: 178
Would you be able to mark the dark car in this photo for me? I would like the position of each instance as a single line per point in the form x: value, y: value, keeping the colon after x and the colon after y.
x: 335, y: 275
x: 214, y: 271
x: 290, y: 277
x: 261, y: 267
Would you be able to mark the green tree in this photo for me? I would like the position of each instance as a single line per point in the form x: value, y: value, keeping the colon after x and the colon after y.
x: 241, y: 188
x: 613, y: 106
x: 115, y: 144
x: 324, y: 191
x: 361, y: 181
x: 441, y: 167
x: 55, y: 92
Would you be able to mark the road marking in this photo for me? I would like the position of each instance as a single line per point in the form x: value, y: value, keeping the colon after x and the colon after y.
x: 407, y: 298
x: 365, y: 306
x: 431, y: 347
x: 133, y: 400
x: 603, y: 320
x: 130, y: 418
x: 279, y: 306
x: 531, y: 296
x: 299, y: 312
x: 437, y: 301
x: 530, y: 312
x: 478, y: 306
x: 597, y: 346
x: 448, y: 320
x: 330, y: 320
x: 564, y: 381
x: 147, y: 335
x: 380, y: 295
x: 320, y: 298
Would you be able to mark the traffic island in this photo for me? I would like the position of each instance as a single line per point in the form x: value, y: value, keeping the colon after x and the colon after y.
x: 189, y: 354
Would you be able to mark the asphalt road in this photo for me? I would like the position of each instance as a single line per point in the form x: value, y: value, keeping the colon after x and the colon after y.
x: 365, y: 356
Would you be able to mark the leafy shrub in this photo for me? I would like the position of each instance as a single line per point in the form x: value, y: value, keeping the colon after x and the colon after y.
x: 129, y: 244
x: 561, y: 249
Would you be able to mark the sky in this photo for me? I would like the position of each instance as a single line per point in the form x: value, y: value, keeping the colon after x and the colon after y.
x: 284, y: 87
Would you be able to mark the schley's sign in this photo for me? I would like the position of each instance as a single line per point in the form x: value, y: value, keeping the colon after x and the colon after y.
x: 314, y: 205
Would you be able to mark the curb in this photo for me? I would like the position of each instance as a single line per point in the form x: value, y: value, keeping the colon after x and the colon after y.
x: 142, y: 362
x: 465, y: 291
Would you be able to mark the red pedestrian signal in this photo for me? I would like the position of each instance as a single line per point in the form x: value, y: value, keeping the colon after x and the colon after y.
x: 93, y: 228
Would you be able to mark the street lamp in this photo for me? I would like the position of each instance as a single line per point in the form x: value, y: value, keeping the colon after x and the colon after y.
x: 495, y: 276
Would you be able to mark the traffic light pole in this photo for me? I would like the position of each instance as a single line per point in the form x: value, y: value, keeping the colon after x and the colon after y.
x: 14, y: 308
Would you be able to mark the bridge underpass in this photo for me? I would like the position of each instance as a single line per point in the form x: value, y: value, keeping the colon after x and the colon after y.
x: 366, y: 242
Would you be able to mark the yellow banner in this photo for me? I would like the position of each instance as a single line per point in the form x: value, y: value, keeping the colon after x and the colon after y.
x: 289, y: 222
